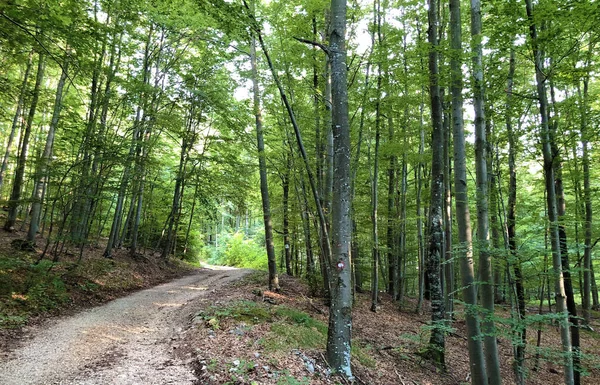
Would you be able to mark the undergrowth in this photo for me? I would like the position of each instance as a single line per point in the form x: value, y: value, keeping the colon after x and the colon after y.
x: 289, y: 328
x: 28, y: 288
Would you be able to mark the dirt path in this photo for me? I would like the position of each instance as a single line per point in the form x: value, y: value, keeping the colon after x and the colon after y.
x: 127, y: 341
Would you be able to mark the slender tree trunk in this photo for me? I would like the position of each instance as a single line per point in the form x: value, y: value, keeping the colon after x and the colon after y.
x: 310, y: 264
x: 448, y: 260
x: 393, y: 265
x: 436, y: 348
x: 562, y: 233
x: 177, y: 193
x: 286, y: 217
x: 463, y: 219
x: 375, y: 178
x: 262, y: 164
x: 485, y: 261
x: 374, y: 208
x: 511, y: 223
x: 15, y: 196
x: 327, y: 250
x: 419, y: 180
x: 42, y: 170
x: 340, y: 314
x: 16, y: 118
x: 560, y: 295
x: 587, y: 199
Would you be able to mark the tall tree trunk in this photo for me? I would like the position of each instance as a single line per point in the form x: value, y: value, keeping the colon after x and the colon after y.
x: 327, y: 249
x: 177, y: 194
x: 511, y: 224
x: 419, y: 175
x: 562, y: 233
x: 374, y: 230
x: 16, y: 118
x: 393, y: 266
x: 485, y: 261
x: 463, y: 218
x: 285, y: 182
x: 15, y: 196
x: 587, y: 198
x: 560, y: 295
x: 340, y: 314
x: 42, y: 169
x: 375, y: 177
x: 262, y: 165
x: 448, y: 260
x: 436, y: 348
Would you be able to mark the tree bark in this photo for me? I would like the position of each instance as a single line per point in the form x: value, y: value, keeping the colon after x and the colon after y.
x: 511, y: 223
x: 285, y: 182
x: 16, y: 118
x: 15, y: 196
x: 463, y: 218
x: 262, y: 165
x: 485, y: 261
x: 436, y: 347
x: 560, y: 295
x: 340, y: 314
x: 42, y: 169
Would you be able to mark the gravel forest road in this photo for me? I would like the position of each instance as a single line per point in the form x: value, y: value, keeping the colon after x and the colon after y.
x: 127, y: 341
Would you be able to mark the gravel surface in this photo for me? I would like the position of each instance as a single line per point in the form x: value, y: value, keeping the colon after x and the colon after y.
x: 127, y: 341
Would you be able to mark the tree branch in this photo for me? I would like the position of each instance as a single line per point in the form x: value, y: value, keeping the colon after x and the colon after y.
x: 314, y: 43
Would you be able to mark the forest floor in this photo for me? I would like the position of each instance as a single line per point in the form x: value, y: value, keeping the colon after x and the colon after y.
x: 222, y: 327
x: 244, y: 335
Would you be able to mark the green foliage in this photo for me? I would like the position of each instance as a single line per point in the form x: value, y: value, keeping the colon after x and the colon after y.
x: 284, y: 337
x: 246, y: 311
x: 364, y: 354
x: 195, y: 251
x: 301, y: 318
x: 28, y: 288
x: 236, y: 250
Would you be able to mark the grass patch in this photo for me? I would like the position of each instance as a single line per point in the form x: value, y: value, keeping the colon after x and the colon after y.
x: 285, y: 336
x: 364, y: 355
x: 243, y: 311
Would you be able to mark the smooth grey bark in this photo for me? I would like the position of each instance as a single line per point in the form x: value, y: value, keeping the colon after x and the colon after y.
x: 340, y: 314
x: 436, y: 347
x: 464, y: 251
x: 483, y: 239
x: 15, y: 196
x: 548, y: 165
x: 16, y: 118
x: 41, y: 174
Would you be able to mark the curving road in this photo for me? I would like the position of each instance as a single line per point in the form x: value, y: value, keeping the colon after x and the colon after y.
x: 126, y: 341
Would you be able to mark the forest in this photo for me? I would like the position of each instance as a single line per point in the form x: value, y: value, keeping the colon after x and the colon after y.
x: 442, y: 155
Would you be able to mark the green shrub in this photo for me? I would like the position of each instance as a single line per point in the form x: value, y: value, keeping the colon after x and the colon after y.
x: 236, y: 250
